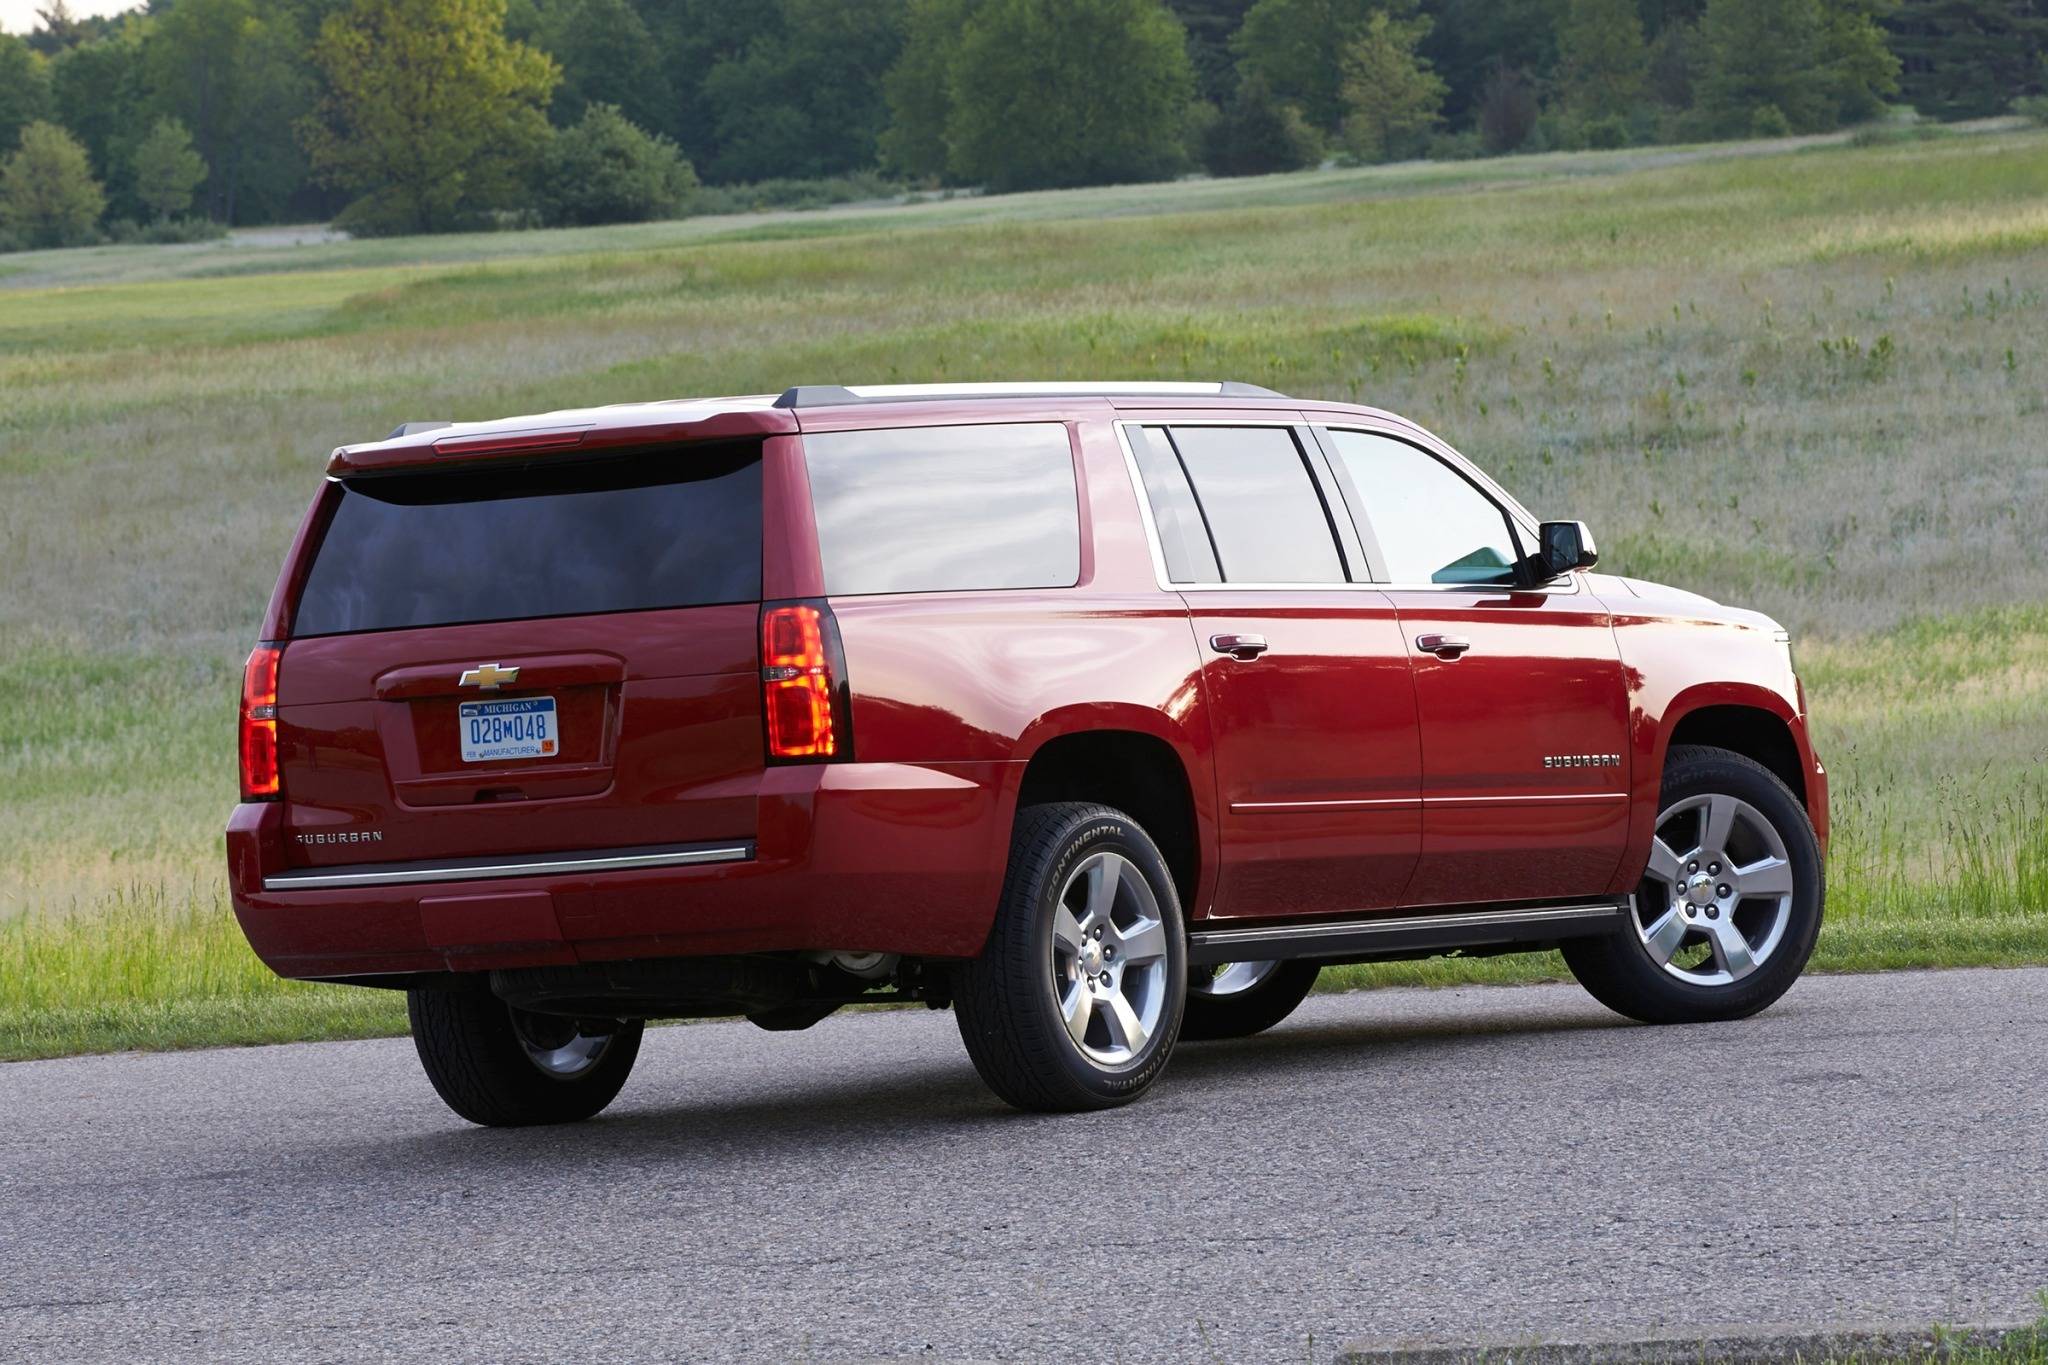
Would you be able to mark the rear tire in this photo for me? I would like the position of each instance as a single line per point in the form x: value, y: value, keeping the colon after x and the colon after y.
x: 1730, y: 907
x: 1076, y: 999
x: 506, y: 1068
x: 1217, y: 1010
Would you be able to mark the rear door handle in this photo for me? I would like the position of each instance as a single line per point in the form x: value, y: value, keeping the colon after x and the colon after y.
x: 1244, y: 648
x: 1443, y: 646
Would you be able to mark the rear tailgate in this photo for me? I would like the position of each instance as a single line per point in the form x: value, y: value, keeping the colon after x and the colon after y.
x: 527, y: 658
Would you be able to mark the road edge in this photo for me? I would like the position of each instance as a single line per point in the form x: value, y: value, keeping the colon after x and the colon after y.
x: 1712, y: 1346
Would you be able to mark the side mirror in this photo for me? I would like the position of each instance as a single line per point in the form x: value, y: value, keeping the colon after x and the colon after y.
x: 1563, y: 546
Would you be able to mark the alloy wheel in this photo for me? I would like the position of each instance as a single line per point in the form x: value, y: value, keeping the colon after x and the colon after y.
x: 1230, y: 978
x: 559, y: 1047
x: 1717, y: 897
x: 1109, y: 959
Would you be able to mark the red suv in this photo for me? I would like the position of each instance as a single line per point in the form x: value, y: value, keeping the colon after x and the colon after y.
x: 1104, y: 713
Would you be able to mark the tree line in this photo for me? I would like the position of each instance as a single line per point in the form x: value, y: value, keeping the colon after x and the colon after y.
x: 425, y: 115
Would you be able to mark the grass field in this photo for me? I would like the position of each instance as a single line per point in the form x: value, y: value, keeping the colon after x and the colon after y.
x: 1807, y: 378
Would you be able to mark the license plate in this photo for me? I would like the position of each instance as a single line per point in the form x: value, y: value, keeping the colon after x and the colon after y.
x: 520, y: 728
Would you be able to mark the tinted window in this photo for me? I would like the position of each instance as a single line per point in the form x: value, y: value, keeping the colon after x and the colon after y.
x: 933, y: 509
x: 1433, y: 525
x: 1183, y: 539
x: 494, y: 543
x: 1265, y: 517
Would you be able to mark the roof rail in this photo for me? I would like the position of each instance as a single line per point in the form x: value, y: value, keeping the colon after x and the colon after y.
x: 836, y: 395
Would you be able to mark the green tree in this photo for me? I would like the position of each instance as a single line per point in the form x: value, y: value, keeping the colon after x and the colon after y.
x: 96, y: 89
x: 1507, y: 110
x: 1256, y: 134
x: 1674, y: 62
x: 604, y: 170
x: 1298, y: 48
x: 1858, y: 69
x: 57, y: 29
x: 806, y: 97
x: 694, y: 38
x: 47, y: 194
x: 232, y: 71
x: 1471, y: 40
x: 431, y: 112
x: 1761, y: 55
x: 167, y: 169
x: 1391, y: 97
x: 606, y: 53
x: 1602, y: 59
x: 1069, y: 92
x: 1210, y: 25
x: 1969, y: 58
x: 919, y: 88
x: 24, y: 89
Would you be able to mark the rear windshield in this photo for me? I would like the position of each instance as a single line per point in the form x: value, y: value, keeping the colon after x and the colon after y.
x: 570, y: 538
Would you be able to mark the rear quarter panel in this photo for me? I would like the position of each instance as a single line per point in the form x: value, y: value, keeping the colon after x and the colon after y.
x: 943, y: 679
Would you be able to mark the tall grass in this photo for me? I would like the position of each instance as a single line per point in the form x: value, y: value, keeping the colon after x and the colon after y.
x: 160, y: 966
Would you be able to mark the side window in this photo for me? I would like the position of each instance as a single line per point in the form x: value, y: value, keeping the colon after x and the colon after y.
x: 1183, y: 539
x: 939, y: 509
x: 1433, y: 525
x: 1265, y: 517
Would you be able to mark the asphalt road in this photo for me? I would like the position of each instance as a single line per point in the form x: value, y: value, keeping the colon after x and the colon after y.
x: 1400, y: 1165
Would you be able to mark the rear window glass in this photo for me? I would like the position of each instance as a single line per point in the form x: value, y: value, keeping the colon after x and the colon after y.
x: 568, y: 538
x: 937, y: 509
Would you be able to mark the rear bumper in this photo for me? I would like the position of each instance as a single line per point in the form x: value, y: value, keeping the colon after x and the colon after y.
x: 864, y: 857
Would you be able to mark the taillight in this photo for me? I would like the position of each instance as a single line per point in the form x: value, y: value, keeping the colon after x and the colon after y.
x: 259, y: 724
x: 801, y: 695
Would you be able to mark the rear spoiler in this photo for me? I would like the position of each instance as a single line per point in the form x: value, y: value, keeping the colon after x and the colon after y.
x: 431, y: 445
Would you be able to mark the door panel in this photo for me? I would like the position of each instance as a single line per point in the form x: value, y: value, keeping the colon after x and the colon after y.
x: 1317, y: 763
x: 1524, y: 744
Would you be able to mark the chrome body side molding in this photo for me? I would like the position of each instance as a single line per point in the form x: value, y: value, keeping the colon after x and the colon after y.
x: 523, y: 865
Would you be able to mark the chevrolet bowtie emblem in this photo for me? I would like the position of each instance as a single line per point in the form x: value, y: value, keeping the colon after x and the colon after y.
x: 489, y: 677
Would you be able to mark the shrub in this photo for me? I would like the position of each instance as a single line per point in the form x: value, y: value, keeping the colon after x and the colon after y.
x: 2033, y: 108
x: 604, y: 170
x: 47, y: 194
x: 1768, y: 120
x: 765, y: 195
x: 1256, y: 134
x: 1605, y: 133
x: 1455, y: 147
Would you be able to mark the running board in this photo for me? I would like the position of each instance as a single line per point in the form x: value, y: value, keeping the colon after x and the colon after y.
x: 1401, y: 934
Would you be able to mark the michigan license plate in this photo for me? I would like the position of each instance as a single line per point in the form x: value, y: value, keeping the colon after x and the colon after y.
x: 521, y: 728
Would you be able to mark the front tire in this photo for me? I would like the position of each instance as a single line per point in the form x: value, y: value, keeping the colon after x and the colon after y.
x: 1239, y: 999
x: 1076, y: 999
x: 1729, y: 908
x: 507, y: 1068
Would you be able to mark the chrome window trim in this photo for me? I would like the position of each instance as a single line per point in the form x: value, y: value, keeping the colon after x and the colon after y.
x: 1044, y: 388
x: 1565, y: 587
x: 615, y: 860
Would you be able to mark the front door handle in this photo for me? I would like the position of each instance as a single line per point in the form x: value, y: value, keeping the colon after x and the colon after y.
x: 1443, y: 646
x: 1243, y: 648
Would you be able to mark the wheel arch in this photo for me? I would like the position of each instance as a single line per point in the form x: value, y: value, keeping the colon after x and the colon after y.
x: 1142, y: 766
x: 1754, y: 721
x: 1753, y: 731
